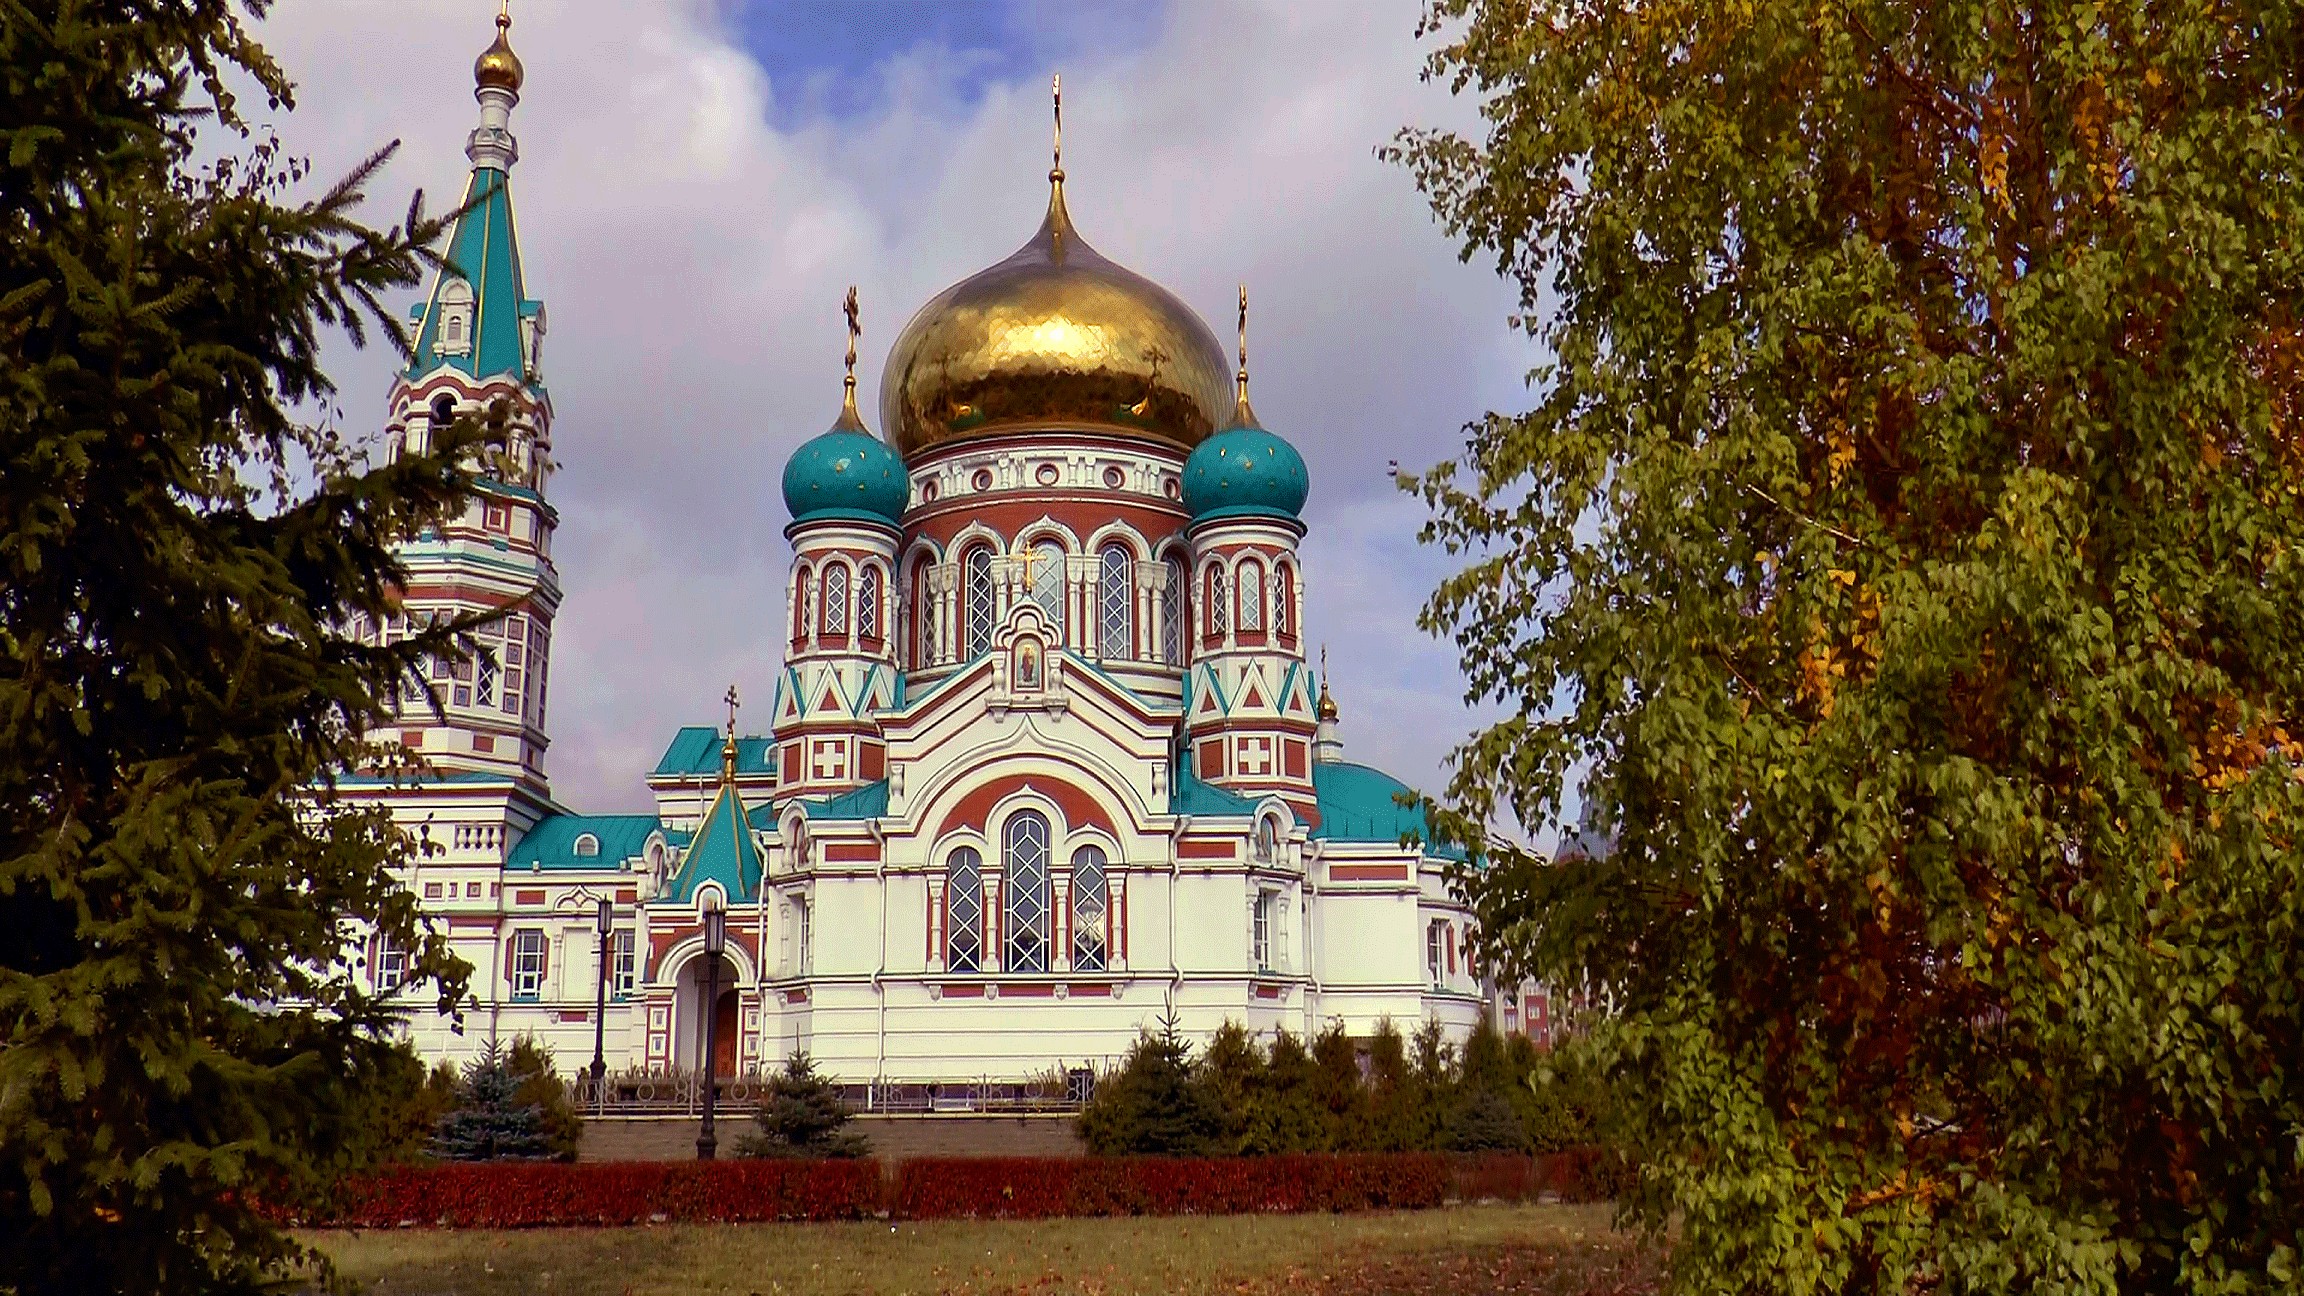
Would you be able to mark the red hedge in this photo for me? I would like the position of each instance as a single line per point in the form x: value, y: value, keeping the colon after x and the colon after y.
x: 1033, y: 1188
x: 530, y: 1194
x: 537, y: 1194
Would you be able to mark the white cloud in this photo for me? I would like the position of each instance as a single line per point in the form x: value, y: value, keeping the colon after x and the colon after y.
x: 693, y: 257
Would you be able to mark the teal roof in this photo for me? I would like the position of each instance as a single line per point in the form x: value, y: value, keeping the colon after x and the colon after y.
x: 1193, y: 797
x: 416, y: 778
x: 552, y: 842
x: 1356, y: 804
x: 484, y: 254
x: 867, y: 802
x: 723, y: 852
x: 845, y: 473
x: 695, y: 750
x: 1245, y: 472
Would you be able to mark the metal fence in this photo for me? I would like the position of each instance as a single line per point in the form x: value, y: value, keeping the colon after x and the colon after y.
x: 681, y: 1093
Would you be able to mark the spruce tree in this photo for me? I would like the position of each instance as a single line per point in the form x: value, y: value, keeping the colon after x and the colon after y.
x: 492, y: 1120
x: 1154, y: 1105
x: 801, y: 1115
x: 182, y: 556
x: 1286, y: 1114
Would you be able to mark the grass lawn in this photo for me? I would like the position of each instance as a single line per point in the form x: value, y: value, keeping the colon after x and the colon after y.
x: 1568, y: 1250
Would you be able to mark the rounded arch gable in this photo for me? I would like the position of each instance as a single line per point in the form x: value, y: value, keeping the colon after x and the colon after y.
x: 973, y: 811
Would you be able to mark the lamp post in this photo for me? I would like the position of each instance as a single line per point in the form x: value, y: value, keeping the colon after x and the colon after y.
x: 715, y: 940
x: 600, y: 1013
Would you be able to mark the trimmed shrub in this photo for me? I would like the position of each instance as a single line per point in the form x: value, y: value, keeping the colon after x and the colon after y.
x: 801, y: 1116
x: 1039, y: 1188
x: 537, y: 1194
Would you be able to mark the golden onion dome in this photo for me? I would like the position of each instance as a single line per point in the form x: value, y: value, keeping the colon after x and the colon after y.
x: 1055, y: 336
x: 498, y: 65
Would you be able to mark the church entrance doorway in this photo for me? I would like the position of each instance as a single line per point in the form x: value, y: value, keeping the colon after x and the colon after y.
x: 688, y: 1046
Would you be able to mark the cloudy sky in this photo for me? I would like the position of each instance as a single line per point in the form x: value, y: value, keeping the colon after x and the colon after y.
x: 700, y: 181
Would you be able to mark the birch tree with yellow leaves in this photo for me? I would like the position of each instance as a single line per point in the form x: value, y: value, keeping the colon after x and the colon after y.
x: 1901, y: 562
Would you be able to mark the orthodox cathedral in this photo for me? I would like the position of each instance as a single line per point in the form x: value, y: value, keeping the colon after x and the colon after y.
x: 1046, y: 763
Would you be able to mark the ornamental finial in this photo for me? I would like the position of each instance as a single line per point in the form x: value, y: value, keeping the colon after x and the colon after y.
x: 498, y: 66
x: 728, y: 745
x: 1242, y: 415
x: 1056, y: 91
x: 850, y: 419
x: 1326, y: 709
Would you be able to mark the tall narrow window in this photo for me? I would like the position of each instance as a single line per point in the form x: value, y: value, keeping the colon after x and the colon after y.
x: 868, y: 603
x: 623, y: 967
x: 923, y: 616
x: 391, y: 965
x: 527, y: 963
x: 979, y: 602
x: 1091, y: 901
x: 1172, y: 605
x: 1115, y: 596
x: 1048, y: 585
x: 484, y: 686
x: 1213, y: 607
x: 964, y: 911
x: 1260, y: 934
x: 835, y: 601
x: 1252, y: 596
x: 1284, y: 600
x: 1024, y: 893
x: 802, y: 581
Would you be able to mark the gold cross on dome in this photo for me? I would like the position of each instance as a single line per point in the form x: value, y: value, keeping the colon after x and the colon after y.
x: 732, y: 703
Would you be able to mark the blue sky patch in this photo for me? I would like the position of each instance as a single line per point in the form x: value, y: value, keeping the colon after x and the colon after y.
x: 824, y: 57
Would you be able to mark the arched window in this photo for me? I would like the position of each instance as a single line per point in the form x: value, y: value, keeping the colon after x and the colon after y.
x: 1284, y: 600
x: 923, y: 616
x: 803, y: 581
x: 836, y: 601
x: 1091, y: 901
x: 443, y: 408
x: 1267, y: 840
x: 1115, y: 596
x: 1024, y: 893
x: 587, y: 845
x: 1048, y: 585
x: 964, y: 911
x: 1252, y: 596
x: 978, y: 614
x: 1172, y: 613
x: 1216, y: 603
x: 868, y: 603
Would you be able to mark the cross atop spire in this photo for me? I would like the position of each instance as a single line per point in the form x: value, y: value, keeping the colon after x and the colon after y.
x: 728, y: 744
x: 1056, y: 167
x: 851, y: 420
x: 1242, y: 415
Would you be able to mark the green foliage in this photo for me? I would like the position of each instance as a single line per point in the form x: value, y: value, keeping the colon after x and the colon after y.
x: 801, y: 1115
x: 541, y: 1087
x: 1155, y: 1104
x: 402, y: 1111
x: 179, y: 557
x: 1242, y: 1097
x: 490, y: 1121
x: 1900, y: 566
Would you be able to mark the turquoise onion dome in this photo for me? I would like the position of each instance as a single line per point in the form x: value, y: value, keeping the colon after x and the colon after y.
x: 1245, y: 471
x: 845, y: 472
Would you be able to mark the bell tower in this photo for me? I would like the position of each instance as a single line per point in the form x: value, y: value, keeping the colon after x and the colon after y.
x: 477, y: 338
x: 846, y: 491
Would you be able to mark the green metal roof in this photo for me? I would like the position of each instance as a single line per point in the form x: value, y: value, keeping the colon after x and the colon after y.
x: 1193, y: 797
x: 552, y: 842
x: 695, y: 750
x: 722, y: 852
x: 419, y: 778
x: 484, y: 253
x: 867, y: 802
x: 1356, y: 804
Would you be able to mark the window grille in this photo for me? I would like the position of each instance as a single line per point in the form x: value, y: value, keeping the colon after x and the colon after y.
x: 1113, y: 599
x: 391, y: 965
x: 527, y: 964
x: 979, y: 600
x: 1091, y: 901
x: 1048, y: 585
x: 1216, y: 602
x: 623, y: 966
x: 923, y: 617
x: 1024, y: 859
x: 868, y: 603
x: 1283, y: 598
x: 835, y: 600
x: 1251, y: 596
x: 964, y: 911
x: 1172, y: 616
x: 484, y: 688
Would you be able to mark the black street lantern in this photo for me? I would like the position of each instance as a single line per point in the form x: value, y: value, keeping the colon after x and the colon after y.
x: 600, y: 1013
x: 715, y: 940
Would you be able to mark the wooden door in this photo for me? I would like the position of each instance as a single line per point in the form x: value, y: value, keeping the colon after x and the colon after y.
x: 724, y: 1035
